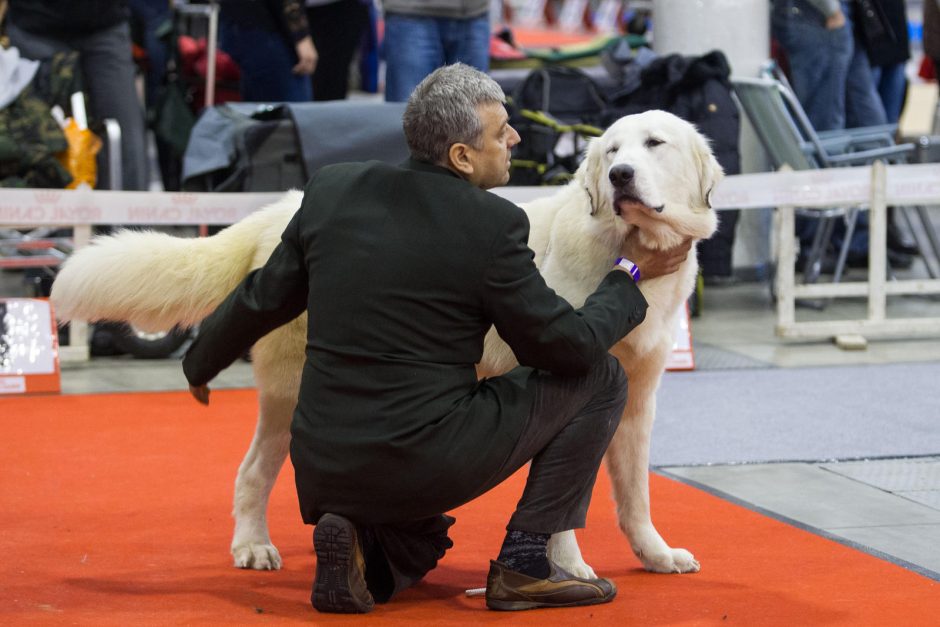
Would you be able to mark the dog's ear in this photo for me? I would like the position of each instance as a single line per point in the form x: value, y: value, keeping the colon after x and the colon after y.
x: 590, y: 175
x: 710, y: 172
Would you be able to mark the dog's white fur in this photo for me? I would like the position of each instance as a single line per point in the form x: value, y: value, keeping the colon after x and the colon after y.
x: 156, y: 281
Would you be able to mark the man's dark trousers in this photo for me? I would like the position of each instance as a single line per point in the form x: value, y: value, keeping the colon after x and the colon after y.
x: 569, y: 426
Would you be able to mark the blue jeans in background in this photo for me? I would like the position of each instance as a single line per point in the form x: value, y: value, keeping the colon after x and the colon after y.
x: 891, y: 84
x: 416, y: 46
x: 265, y: 60
x: 863, y: 106
x: 819, y: 60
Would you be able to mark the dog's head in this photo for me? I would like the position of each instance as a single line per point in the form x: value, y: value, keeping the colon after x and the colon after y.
x: 655, y: 171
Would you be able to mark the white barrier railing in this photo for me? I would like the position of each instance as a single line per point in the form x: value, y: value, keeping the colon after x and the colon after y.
x: 886, y: 185
x: 82, y: 209
x: 873, y: 186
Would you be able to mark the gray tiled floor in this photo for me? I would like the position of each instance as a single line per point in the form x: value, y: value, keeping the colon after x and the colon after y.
x: 890, y: 508
x: 819, y: 497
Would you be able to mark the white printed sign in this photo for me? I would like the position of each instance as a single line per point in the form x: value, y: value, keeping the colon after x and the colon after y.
x: 29, y: 360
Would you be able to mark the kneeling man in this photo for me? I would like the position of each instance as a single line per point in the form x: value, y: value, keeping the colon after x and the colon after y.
x: 402, y: 271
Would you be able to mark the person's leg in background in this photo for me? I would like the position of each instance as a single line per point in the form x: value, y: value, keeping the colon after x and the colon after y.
x: 337, y: 29
x: 468, y: 41
x: 110, y: 79
x: 110, y: 92
x: 265, y: 61
x: 891, y: 84
x: 413, y: 49
x: 936, y: 65
x: 147, y: 18
x: 818, y: 59
x: 863, y: 106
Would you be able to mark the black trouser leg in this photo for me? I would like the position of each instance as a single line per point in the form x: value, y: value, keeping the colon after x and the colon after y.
x: 399, y: 555
x: 570, y: 426
x: 337, y: 29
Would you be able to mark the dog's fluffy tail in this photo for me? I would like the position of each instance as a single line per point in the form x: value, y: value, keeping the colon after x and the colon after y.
x: 156, y: 281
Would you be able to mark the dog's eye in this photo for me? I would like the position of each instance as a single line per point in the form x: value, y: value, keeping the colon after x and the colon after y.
x: 613, y: 150
x: 652, y: 142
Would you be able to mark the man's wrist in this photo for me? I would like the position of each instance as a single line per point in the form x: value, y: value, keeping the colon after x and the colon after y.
x: 632, y: 269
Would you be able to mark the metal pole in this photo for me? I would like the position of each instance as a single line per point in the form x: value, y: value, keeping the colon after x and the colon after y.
x: 785, y: 277
x: 877, y: 236
x: 115, y: 162
x: 211, y: 46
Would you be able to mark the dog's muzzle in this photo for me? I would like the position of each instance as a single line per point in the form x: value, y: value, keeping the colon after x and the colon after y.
x: 623, y: 179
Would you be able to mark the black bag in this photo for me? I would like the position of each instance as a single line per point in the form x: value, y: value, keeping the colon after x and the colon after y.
x: 259, y: 150
x: 173, y: 119
x: 566, y: 94
x: 252, y: 147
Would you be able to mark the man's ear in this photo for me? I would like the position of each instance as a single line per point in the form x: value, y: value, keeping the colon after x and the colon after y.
x: 459, y: 157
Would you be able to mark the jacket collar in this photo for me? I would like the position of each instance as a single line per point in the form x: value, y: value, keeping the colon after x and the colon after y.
x: 423, y: 166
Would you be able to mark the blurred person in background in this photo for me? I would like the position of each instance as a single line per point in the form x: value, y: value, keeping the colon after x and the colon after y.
x: 423, y: 35
x: 829, y: 70
x: 932, y: 33
x: 863, y: 106
x: 338, y: 27
x: 817, y: 39
x: 271, y: 43
x: 888, y: 56
x: 100, y: 33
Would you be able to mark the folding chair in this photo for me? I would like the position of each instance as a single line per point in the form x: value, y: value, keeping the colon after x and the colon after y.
x: 835, y: 141
x: 789, y: 139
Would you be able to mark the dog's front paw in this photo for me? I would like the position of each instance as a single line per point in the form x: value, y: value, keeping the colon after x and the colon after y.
x: 257, y: 556
x: 670, y: 561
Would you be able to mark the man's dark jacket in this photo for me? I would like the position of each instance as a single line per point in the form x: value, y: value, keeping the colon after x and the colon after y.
x: 402, y: 271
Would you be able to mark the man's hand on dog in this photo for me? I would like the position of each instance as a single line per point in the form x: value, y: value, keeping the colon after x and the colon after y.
x: 200, y: 393
x: 654, y: 263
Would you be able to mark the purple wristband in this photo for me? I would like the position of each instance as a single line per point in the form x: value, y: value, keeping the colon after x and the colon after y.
x: 630, y: 267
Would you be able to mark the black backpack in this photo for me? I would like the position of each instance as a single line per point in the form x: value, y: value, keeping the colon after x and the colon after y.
x: 549, y: 102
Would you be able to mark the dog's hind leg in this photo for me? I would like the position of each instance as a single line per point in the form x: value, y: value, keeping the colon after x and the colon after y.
x: 251, y: 543
x: 628, y: 465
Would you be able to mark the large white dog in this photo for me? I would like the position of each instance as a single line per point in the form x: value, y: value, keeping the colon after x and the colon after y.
x: 651, y: 171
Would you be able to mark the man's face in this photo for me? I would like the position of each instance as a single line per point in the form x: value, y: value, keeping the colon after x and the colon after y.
x: 491, y: 160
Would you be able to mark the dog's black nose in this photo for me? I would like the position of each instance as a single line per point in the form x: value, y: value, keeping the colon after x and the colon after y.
x: 621, y: 175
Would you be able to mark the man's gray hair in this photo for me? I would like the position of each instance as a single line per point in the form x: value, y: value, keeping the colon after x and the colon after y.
x: 442, y: 111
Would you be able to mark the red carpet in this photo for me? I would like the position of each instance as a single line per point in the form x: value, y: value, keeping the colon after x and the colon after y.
x: 114, y: 510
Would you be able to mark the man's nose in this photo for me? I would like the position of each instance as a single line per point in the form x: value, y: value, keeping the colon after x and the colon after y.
x: 514, y: 137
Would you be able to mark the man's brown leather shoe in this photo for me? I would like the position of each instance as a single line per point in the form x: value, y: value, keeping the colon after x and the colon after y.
x: 339, y: 585
x: 509, y: 590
